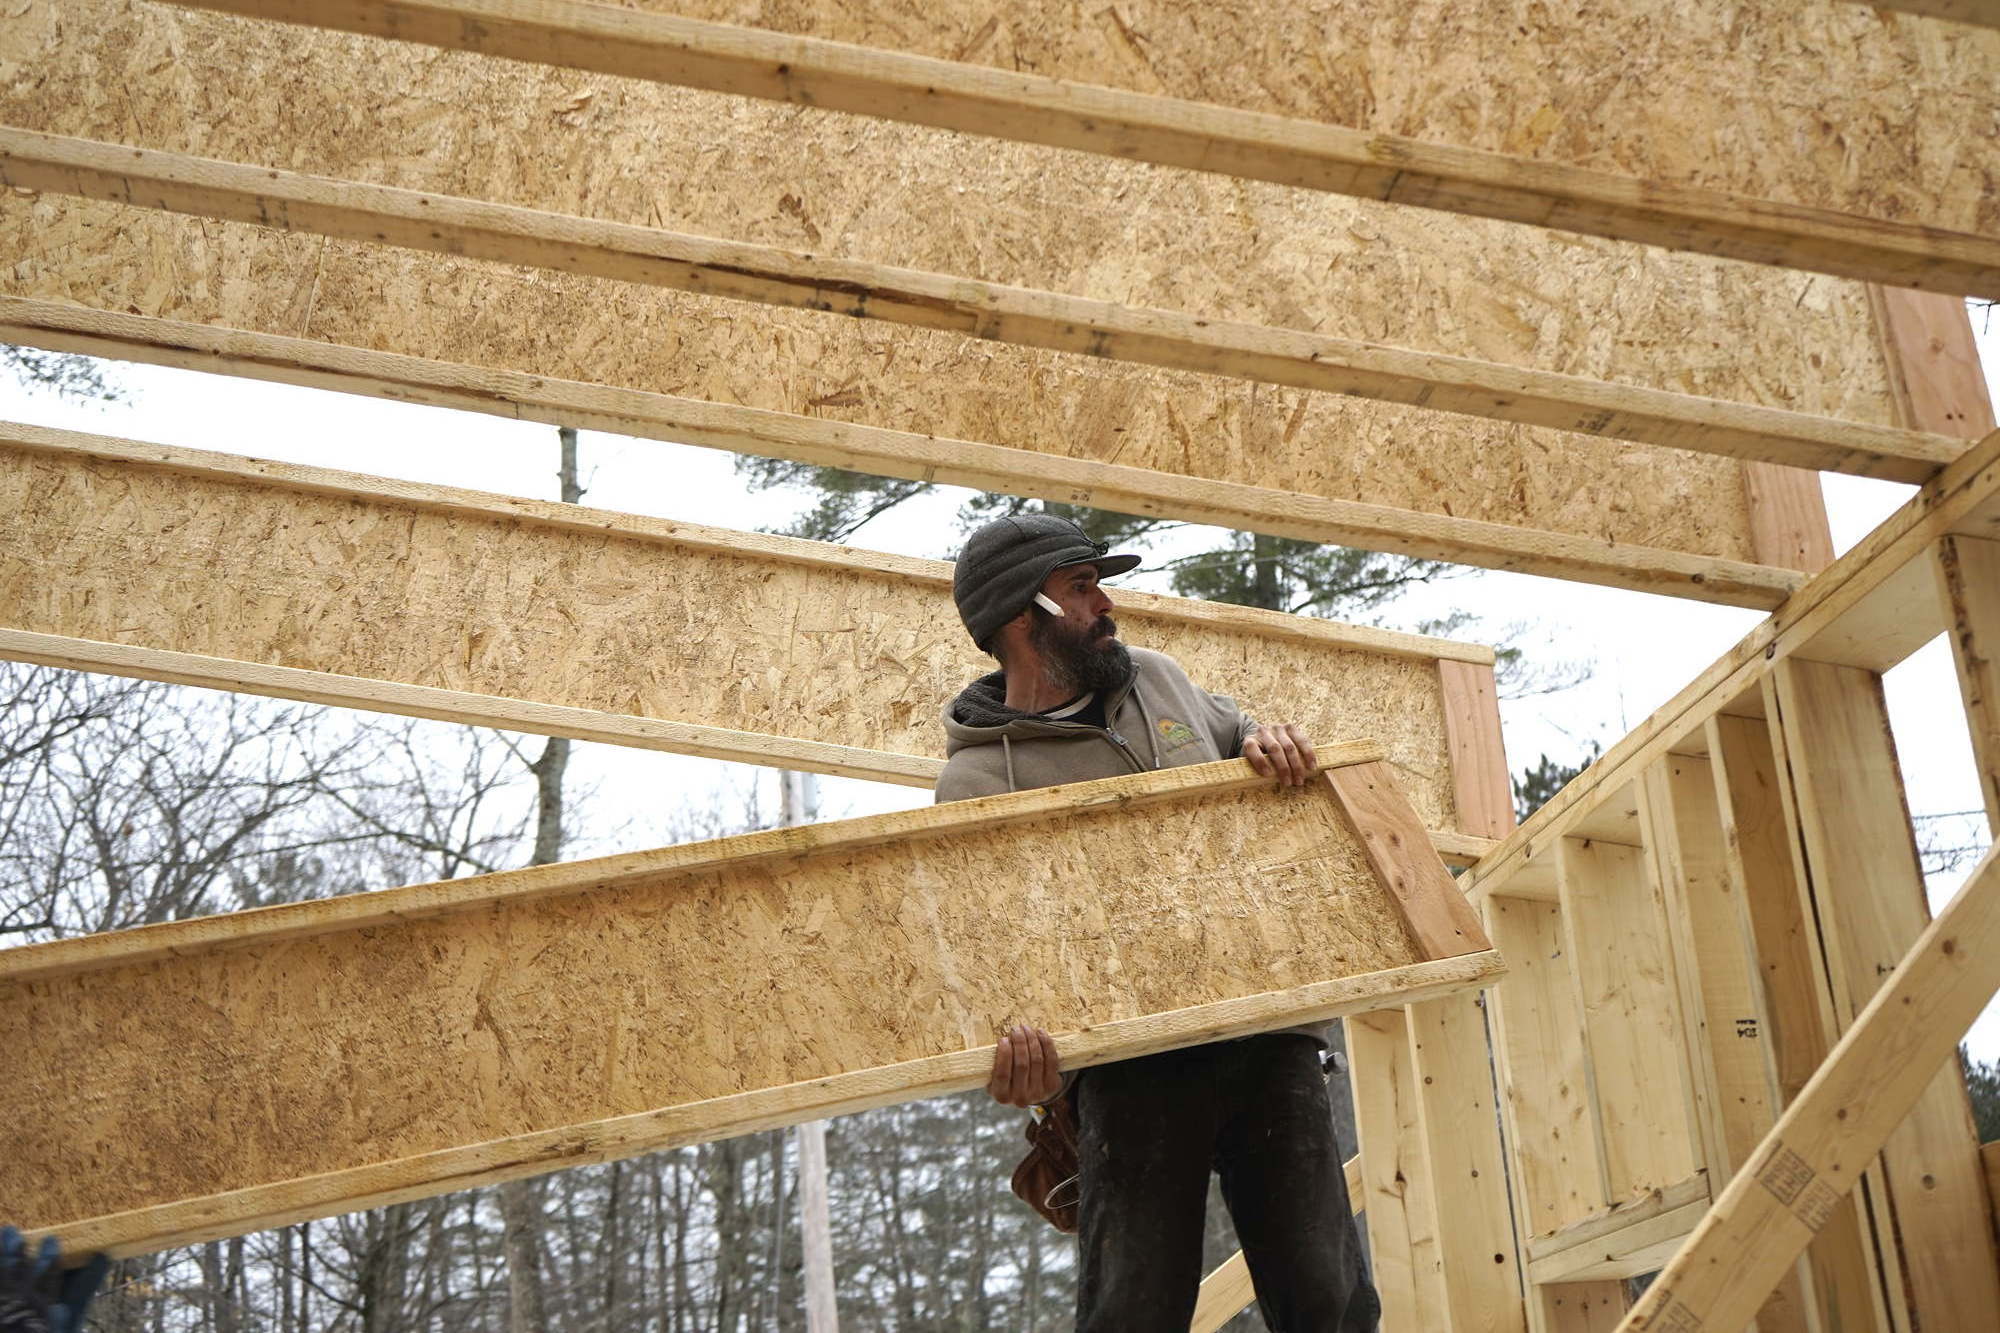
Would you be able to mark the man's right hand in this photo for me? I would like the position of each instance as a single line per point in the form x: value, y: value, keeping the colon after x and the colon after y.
x: 1026, y: 1071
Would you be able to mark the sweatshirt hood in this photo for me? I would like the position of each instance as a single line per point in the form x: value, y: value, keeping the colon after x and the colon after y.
x: 980, y: 715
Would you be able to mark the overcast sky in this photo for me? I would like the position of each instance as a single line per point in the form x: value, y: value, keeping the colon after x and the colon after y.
x: 1642, y: 648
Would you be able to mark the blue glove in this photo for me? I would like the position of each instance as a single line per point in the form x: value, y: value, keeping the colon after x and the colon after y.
x: 39, y: 1295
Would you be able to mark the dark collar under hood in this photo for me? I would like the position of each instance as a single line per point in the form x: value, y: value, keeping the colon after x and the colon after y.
x: 982, y: 706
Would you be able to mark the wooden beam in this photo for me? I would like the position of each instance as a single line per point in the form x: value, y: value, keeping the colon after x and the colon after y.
x: 1168, y: 131
x: 1964, y: 498
x: 1788, y: 526
x: 888, y: 453
x: 1228, y: 1289
x: 1480, y: 781
x: 1385, y: 825
x: 390, y: 595
x: 1868, y: 894
x: 1968, y: 574
x: 1935, y: 380
x: 1577, y: 1307
x: 1713, y: 946
x: 351, y: 210
x: 1618, y: 1242
x: 794, y: 983
x: 1468, y: 1169
x: 1880, y: 1070
x: 1792, y: 1004
x: 1398, y: 1195
x: 1635, y: 1050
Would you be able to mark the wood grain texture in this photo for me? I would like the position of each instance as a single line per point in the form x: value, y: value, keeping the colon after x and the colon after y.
x: 622, y: 151
x: 713, y: 987
x: 1480, y: 780
x: 1596, y: 93
x: 1713, y: 943
x: 1398, y: 1194
x: 1170, y: 132
x: 1467, y: 1164
x: 1881, y: 1069
x: 1554, y: 1151
x: 1867, y: 888
x: 583, y: 609
x: 893, y: 453
x: 1968, y: 574
x: 1936, y: 383
x: 1788, y: 526
x: 1634, y: 1044
x: 924, y: 299
x: 1392, y: 837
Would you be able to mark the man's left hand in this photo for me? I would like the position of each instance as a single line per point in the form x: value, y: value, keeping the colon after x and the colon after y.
x: 1282, y: 752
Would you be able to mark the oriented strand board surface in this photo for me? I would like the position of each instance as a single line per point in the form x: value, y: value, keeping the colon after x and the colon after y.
x: 1832, y: 105
x: 227, y: 1066
x: 630, y: 621
x: 634, y: 152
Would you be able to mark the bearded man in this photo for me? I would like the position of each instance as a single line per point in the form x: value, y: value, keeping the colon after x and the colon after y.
x: 1068, y: 704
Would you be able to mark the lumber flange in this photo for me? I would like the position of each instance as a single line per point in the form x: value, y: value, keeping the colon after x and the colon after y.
x: 1171, y: 132
x: 352, y: 210
x: 1624, y: 1241
x: 591, y: 1010
x: 1886, y: 581
x: 136, y: 559
x: 893, y: 453
x: 1771, y: 1210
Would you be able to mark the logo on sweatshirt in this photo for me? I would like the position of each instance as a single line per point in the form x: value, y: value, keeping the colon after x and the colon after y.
x: 1175, y: 734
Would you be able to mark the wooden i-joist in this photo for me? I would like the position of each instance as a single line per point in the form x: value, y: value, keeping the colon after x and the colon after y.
x: 1722, y: 1043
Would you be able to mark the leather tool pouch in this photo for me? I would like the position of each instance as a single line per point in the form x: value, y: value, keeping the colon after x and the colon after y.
x: 1046, y: 1179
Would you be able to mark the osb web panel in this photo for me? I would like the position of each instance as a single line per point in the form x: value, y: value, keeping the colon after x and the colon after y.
x: 219, y: 1068
x: 634, y: 152
x: 629, y: 622
x: 1804, y: 101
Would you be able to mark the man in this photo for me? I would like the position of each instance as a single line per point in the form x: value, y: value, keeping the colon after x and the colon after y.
x: 1071, y: 703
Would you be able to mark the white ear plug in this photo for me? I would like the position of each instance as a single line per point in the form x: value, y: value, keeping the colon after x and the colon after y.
x: 1048, y: 604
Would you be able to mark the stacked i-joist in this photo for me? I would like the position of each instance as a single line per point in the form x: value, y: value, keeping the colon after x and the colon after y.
x: 1270, y: 273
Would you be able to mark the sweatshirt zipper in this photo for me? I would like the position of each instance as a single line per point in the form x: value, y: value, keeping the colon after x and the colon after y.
x: 1125, y: 747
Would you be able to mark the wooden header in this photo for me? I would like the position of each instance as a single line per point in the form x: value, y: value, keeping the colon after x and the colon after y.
x: 1433, y: 286
x: 596, y: 1009
x: 243, y: 574
x: 1169, y: 131
x: 1051, y: 321
x: 891, y: 453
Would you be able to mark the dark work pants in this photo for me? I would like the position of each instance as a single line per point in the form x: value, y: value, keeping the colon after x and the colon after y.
x: 1150, y: 1130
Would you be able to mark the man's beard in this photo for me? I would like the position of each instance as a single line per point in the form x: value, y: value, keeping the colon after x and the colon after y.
x: 1072, y: 661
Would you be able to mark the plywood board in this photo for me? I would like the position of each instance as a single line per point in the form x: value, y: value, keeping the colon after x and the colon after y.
x: 59, y: 326
x: 322, y: 1056
x: 305, y: 569
x: 637, y: 153
x: 1031, y: 108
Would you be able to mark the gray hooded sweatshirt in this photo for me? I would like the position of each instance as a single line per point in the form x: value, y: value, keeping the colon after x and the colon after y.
x: 1158, y: 719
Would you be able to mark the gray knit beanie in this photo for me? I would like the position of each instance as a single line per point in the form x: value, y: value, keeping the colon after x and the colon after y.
x: 1005, y: 563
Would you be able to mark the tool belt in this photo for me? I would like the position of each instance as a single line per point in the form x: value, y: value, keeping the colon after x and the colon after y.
x: 1046, y: 1179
